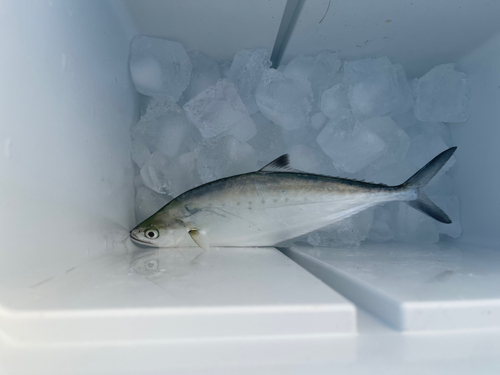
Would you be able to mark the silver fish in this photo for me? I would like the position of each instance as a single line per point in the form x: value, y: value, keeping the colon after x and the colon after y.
x: 276, y: 204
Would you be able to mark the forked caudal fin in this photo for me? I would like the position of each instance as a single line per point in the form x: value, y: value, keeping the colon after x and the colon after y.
x: 420, y: 179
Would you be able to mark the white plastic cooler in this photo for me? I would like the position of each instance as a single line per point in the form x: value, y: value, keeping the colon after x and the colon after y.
x: 77, y: 297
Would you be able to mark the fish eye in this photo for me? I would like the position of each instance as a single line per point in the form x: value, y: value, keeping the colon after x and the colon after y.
x: 151, y: 233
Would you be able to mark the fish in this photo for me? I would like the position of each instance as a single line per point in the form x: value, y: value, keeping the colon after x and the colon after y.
x: 275, y: 204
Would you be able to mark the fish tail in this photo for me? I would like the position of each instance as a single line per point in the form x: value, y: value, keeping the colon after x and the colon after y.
x: 418, y: 182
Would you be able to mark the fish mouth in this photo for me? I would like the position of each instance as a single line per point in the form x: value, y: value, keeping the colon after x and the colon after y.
x: 137, y: 239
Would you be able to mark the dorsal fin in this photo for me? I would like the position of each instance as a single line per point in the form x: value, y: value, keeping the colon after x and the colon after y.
x: 281, y: 164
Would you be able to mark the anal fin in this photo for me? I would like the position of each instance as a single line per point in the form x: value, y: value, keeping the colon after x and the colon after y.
x: 201, y: 238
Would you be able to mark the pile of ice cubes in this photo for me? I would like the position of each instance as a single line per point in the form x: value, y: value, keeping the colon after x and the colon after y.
x: 204, y: 120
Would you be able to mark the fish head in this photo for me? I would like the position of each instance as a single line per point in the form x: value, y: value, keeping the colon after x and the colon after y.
x: 157, y: 233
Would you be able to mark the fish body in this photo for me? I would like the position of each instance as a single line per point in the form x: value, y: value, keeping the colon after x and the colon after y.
x: 272, y: 205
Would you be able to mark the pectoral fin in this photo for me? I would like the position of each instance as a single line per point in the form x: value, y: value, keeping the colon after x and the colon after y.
x: 201, y: 238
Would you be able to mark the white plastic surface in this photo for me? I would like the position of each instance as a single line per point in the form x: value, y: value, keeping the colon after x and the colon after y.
x: 413, y: 287
x: 475, y: 171
x: 71, y: 300
x: 66, y: 178
x: 218, y: 28
x: 376, y: 350
x: 417, y: 34
x: 176, y: 294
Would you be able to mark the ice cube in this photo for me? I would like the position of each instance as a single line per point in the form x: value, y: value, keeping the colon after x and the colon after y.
x: 140, y: 153
x: 406, y: 92
x: 158, y: 106
x: 405, y: 119
x: 414, y: 226
x: 147, y: 202
x: 223, y: 157
x: 376, y: 87
x: 431, y: 129
x: 442, y: 95
x: 396, y: 140
x: 144, y: 103
x: 305, y: 153
x: 424, y: 146
x: 205, y: 73
x: 183, y: 174
x: 217, y: 109
x: 391, y: 174
x: 440, y: 185
x: 303, y: 135
x: 163, y: 131
x: 351, y: 146
x: 335, y: 103
x: 224, y: 67
x: 243, y: 130
x: 442, y: 130
x: 171, y: 176
x: 349, y: 232
x: 268, y: 143
x: 159, y: 67
x: 246, y: 72
x: 154, y: 173
x: 138, y: 182
x: 284, y: 100
x: 310, y: 160
x: 321, y: 70
x: 193, y: 139
x: 381, y: 227
x: 318, y: 120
